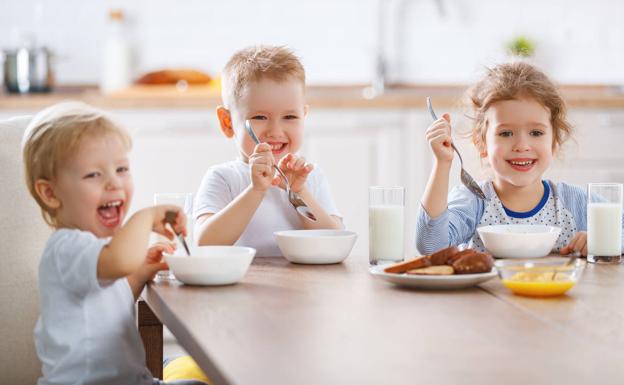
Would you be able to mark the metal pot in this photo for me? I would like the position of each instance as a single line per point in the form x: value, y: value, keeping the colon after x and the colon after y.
x: 28, y: 70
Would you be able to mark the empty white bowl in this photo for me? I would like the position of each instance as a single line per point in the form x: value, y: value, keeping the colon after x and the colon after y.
x: 211, y: 265
x: 519, y: 241
x: 315, y: 247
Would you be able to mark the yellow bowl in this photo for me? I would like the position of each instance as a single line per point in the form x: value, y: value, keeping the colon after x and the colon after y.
x: 545, y: 277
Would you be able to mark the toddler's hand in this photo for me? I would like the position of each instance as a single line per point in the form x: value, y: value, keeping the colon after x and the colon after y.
x: 577, y: 243
x: 439, y: 137
x: 153, y: 260
x: 261, y: 167
x: 159, y: 222
x: 297, y: 171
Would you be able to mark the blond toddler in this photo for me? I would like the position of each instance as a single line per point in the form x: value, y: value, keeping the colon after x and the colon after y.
x: 93, y: 267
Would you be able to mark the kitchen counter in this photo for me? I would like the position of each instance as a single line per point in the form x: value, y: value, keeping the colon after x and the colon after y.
x: 405, y: 96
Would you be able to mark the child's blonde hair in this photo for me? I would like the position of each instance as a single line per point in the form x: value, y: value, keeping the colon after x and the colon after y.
x: 511, y: 81
x: 55, y: 134
x: 255, y: 63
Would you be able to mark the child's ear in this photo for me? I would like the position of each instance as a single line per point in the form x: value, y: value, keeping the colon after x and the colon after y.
x: 45, y: 191
x: 225, y: 121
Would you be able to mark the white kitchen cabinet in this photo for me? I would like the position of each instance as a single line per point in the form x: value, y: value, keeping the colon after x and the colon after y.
x: 361, y: 148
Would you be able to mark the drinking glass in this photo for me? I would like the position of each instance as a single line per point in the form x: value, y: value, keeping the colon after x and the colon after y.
x: 386, y: 224
x: 604, y: 222
x: 185, y: 201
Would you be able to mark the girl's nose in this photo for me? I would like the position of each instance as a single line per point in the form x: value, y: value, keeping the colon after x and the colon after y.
x: 521, y: 144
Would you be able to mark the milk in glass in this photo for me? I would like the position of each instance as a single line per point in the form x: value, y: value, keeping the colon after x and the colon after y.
x: 386, y: 232
x: 604, y: 229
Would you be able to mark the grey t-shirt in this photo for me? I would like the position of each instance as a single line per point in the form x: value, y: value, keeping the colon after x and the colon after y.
x: 86, y: 332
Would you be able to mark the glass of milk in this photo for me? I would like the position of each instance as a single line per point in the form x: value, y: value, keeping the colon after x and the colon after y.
x: 386, y: 224
x: 185, y: 201
x: 604, y: 222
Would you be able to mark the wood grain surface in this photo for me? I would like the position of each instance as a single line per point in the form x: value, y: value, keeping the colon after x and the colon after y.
x: 337, y: 324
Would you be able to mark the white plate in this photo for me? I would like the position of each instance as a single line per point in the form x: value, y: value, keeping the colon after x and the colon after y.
x: 455, y: 281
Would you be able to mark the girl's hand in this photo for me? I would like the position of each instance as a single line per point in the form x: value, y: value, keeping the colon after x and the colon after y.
x: 261, y: 167
x: 159, y: 222
x: 297, y: 171
x: 153, y: 260
x: 439, y: 137
x: 577, y: 243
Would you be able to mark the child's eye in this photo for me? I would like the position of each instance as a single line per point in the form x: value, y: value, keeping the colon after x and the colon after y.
x: 505, y: 134
x: 123, y: 169
x: 536, y: 133
x: 259, y: 117
x: 94, y: 174
x: 290, y: 117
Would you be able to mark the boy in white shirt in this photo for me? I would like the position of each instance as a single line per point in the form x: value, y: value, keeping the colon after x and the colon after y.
x: 92, y: 269
x: 242, y: 202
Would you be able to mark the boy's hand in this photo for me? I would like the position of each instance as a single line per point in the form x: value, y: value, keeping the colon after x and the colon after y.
x: 261, y: 167
x: 297, y: 171
x: 577, y: 243
x: 153, y: 260
x: 439, y: 137
x: 159, y: 223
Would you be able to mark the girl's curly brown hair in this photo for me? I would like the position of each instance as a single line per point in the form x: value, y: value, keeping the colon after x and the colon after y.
x: 512, y: 81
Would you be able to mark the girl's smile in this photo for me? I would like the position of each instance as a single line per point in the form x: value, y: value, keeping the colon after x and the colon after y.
x: 522, y: 164
x: 519, y: 142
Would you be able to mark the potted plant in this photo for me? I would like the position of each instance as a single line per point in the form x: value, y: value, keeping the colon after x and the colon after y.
x: 521, y: 47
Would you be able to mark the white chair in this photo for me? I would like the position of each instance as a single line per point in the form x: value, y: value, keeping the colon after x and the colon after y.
x: 23, y: 234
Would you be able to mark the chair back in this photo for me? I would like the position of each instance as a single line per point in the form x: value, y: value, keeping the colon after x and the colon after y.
x: 23, y: 235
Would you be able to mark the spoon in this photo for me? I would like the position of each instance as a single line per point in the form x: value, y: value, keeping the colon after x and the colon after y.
x: 570, y: 262
x: 293, y: 197
x: 466, y: 179
x: 170, y: 218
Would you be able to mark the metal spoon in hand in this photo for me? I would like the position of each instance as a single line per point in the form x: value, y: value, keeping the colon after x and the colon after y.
x: 293, y: 197
x: 466, y: 178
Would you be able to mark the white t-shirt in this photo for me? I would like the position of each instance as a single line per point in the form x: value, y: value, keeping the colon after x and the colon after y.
x: 86, y: 332
x: 224, y: 182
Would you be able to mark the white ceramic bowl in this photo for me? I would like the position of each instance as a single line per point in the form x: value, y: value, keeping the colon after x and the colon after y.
x: 519, y: 241
x: 211, y: 265
x: 315, y: 247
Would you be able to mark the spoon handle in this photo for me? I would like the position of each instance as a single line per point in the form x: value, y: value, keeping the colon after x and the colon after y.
x: 170, y: 217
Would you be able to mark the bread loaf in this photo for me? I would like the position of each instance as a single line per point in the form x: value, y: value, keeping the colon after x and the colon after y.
x: 173, y: 76
x: 441, y: 257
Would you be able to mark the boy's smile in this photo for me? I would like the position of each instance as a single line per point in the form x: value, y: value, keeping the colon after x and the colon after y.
x: 276, y: 111
x: 94, y: 186
x: 519, y: 142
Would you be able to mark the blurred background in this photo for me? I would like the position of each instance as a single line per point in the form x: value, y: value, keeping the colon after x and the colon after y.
x: 154, y: 65
x: 422, y: 41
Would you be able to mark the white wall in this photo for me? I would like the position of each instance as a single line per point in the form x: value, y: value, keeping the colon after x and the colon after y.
x: 578, y: 41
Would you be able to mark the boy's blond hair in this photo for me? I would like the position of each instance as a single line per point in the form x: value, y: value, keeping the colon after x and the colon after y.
x: 255, y: 63
x: 55, y: 134
x: 511, y: 81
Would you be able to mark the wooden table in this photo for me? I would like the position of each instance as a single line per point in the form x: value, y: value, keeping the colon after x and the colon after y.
x: 336, y: 324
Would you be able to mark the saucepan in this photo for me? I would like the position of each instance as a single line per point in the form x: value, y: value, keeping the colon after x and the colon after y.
x: 28, y: 70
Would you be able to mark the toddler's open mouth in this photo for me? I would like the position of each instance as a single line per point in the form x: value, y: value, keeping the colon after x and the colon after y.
x: 110, y: 213
x: 522, y: 164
